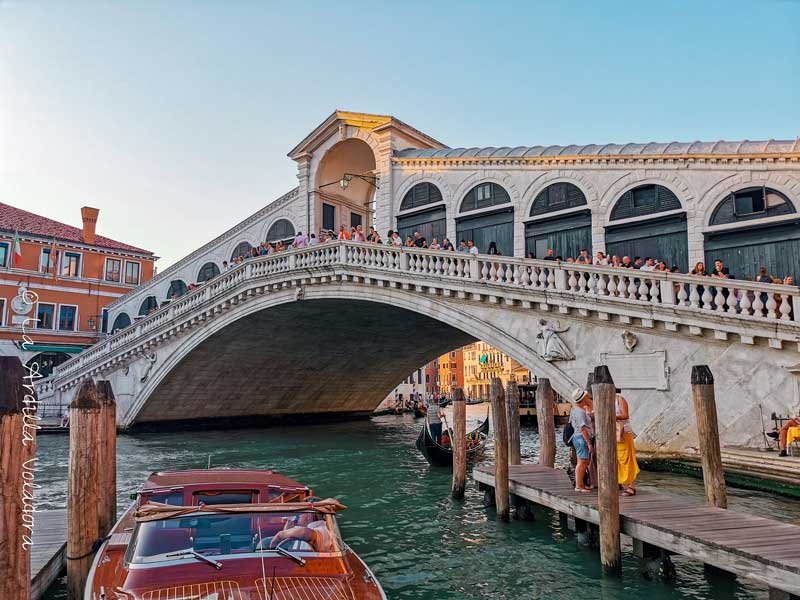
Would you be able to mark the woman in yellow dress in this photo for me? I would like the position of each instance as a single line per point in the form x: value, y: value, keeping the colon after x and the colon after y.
x: 627, y: 467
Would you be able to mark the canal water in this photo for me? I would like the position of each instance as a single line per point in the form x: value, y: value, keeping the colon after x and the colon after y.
x: 401, y: 520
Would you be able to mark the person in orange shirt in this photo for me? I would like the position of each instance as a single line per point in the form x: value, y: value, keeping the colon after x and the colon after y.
x: 343, y: 234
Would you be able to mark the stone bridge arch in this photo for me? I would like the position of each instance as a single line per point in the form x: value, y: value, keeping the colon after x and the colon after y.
x: 367, y: 334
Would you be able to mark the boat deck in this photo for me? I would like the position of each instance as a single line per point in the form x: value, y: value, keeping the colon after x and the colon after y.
x: 48, y: 553
x: 761, y: 549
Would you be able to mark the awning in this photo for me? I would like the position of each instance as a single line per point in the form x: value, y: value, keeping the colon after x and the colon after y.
x: 54, y: 348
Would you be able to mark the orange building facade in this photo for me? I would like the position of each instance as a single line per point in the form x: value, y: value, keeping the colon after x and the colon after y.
x: 55, y: 281
x: 451, y: 371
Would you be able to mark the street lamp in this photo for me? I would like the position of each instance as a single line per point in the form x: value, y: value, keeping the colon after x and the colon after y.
x: 344, y: 182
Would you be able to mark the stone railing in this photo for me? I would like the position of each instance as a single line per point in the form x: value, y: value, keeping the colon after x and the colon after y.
x: 741, y: 303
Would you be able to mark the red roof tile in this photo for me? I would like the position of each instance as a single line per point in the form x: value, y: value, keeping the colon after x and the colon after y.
x: 15, y: 219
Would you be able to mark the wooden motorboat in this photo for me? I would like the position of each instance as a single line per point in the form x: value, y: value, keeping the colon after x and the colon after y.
x: 442, y: 455
x: 228, y: 534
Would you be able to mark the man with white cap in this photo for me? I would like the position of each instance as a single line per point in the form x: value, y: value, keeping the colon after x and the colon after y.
x: 582, y: 437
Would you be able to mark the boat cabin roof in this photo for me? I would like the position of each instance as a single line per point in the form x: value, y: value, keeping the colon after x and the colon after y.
x: 220, y: 486
x: 205, y: 477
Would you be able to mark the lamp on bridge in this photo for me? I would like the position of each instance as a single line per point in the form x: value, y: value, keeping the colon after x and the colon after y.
x: 344, y: 182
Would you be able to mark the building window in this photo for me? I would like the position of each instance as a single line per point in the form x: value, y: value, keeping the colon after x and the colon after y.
x: 121, y: 322
x: 71, y: 265
x: 484, y: 195
x: 207, y: 271
x: 2, y: 312
x: 45, y: 315
x: 644, y: 196
x: 177, y: 288
x: 148, y: 305
x: 132, y: 272
x: 421, y: 194
x: 243, y: 249
x: 47, y: 261
x: 328, y: 217
x: 355, y: 219
x: 113, y: 269
x: 748, y: 202
x: 4, y: 254
x: 67, y: 317
x: 282, y: 229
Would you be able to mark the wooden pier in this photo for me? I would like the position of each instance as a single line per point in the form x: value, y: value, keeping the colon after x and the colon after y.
x: 48, y: 553
x: 760, y: 549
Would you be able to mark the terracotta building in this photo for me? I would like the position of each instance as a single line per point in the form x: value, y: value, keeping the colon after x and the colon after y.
x: 67, y: 275
x: 482, y: 363
x: 451, y: 371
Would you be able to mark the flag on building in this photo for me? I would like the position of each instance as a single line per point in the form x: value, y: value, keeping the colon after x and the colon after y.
x: 16, y: 252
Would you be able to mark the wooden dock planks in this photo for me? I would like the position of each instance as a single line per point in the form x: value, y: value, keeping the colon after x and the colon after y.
x: 761, y: 549
x: 48, y: 551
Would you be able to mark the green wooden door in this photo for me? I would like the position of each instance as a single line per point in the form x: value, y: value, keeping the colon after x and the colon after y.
x: 744, y: 252
x: 430, y: 223
x: 566, y: 235
x: 483, y: 229
x: 662, y: 239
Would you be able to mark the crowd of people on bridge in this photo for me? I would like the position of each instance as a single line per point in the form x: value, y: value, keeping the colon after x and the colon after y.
x: 468, y: 246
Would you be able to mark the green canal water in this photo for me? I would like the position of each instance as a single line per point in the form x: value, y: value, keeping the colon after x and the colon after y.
x: 400, y: 519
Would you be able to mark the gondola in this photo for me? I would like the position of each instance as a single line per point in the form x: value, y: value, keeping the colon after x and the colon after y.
x: 442, y: 456
x: 419, y: 411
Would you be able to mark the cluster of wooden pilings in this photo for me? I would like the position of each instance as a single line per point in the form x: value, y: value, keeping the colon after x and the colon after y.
x: 91, y: 493
x: 505, y: 405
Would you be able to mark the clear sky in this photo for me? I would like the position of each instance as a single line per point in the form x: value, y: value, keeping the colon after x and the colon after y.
x: 175, y: 117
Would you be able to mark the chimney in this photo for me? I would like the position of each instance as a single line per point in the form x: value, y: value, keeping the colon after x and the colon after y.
x: 89, y: 216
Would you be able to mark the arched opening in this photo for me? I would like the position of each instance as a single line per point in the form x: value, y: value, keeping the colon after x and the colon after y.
x: 353, y: 161
x: 120, y: 322
x: 47, y: 362
x: 748, y: 243
x: 281, y: 230
x: 495, y: 224
x: 566, y: 233
x: 427, y: 213
x: 207, y: 271
x: 177, y: 288
x: 659, y: 236
x: 242, y: 250
x: 148, y: 305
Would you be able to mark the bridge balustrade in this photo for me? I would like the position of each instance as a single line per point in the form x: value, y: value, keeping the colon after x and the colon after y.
x: 740, y: 300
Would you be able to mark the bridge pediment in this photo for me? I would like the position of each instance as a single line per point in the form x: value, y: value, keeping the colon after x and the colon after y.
x: 380, y: 125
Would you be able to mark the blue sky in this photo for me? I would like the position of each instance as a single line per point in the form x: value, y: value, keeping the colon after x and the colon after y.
x: 174, y: 118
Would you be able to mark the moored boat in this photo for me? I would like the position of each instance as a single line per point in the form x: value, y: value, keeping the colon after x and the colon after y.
x: 228, y: 534
x: 442, y: 454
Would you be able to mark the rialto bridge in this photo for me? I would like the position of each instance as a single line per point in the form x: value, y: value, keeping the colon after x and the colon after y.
x: 331, y: 329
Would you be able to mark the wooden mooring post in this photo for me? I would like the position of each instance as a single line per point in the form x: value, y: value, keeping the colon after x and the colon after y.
x: 499, y: 416
x: 17, y: 451
x: 705, y: 408
x: 512, y: 412
x: 545, y: 402
x: 604, y: 397
x: 107, y: 480
x: 82, y: 492
x: 459, y: 444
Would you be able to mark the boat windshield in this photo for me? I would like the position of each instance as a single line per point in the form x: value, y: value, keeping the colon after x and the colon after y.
x: 219, y: 534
